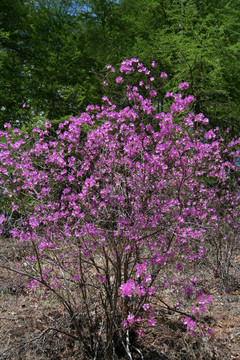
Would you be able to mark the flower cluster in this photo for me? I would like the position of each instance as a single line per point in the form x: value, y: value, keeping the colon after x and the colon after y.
x: 113, y: 208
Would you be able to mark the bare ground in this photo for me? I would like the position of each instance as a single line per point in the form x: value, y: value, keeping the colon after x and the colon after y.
x: 28, y: 326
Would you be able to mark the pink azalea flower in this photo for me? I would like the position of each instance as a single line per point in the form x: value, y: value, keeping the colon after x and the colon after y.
x: 127, y: 288
x: 146, y: 307
x: 183, y: 85
x: 153, y: 93
x: 130, y: 319
x: 163, y: 75
x: 119, y: 80
x: 190, y: 323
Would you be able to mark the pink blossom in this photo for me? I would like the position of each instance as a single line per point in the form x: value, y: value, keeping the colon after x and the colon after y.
x: 183, y: 85
x: 33, y: 222
x: 7, y: 126
x: 47, y: 124
x: 190, y: 323
x: 140, y: 268
x: 127, y: 288
x: 151, y: 290
x: 153, y: 93
x: 209, y: 135
x: 151, y: 321
x: 202, y: 308
x: 163, y: 75
x: 111, y: 68
x: 146, y: 307
x: 141, y: 291
x: 128, y: 248
x: 125, y: 323
x: 119, y: 79
x: 2, y: 219
x: 76, y: 277
x: 130, y: 319
x: 147, y: 277
x: 194, y: 280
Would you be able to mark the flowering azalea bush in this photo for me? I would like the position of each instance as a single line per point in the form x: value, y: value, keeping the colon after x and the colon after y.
x: 113, y: 215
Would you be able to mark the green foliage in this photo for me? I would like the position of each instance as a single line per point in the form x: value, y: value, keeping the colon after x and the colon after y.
x: 197, y: 42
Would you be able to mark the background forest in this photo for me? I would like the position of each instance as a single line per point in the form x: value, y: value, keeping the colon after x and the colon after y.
x: 53, y: 53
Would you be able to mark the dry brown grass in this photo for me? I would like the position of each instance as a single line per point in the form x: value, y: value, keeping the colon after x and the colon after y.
x: 27, y: 325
